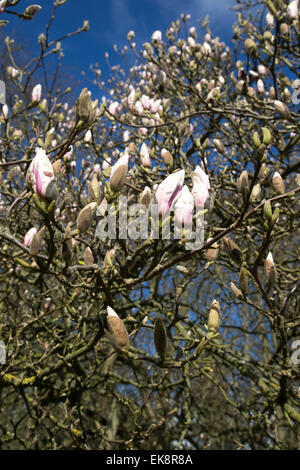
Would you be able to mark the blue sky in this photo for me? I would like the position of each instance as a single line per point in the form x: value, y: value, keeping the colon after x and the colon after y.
x: 110, y: 21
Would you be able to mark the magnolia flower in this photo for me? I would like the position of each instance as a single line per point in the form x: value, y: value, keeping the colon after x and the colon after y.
x: 201, y: 186
x: 28, y: 236
x: 292, y: 10
x: 168, y: 191
x: 145, y: 158
x: 36, y: 92
x: 156, y: 36
x: 41, y: 176
x: 118, y: 172
x: 184, y: 207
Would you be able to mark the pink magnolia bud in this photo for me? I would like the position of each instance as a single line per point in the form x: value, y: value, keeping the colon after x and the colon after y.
x: 145, y: 197
x: 145, y: 101
x: 41, y: 176
x: 168, y: 191
x: 5, y: 111
x: 184, y: 207
x: 260, y: 86
x: 2, y: 5
x: 28, y: 236
x: 145, y: 157
x: 117, y: 329
x: 191, y: 41
x: 126, y: 136
x: 292, y: 10
x: 131, y: 98
x: 88, y: 136
x: 114, y: 108
x: 201, y: 186
x: 36, y: 92
x: 97, y: 168
x: 270, y: 19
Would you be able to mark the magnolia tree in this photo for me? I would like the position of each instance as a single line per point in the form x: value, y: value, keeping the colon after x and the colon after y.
x: 150, y: 241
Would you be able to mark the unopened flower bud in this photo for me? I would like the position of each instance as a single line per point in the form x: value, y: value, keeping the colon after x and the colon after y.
x: 88, y: 257
x: 56, y: 167
x: 233, y: 249
x: 146, y: 196
x: 281, y: 107
x: 278, y: 183
x: 117, y: 329
x: 214, y: 316
x: 242, y: 183
x: 167, y: 157
x: 160, y: 338
x: 268, y: 210
x: 270, y: 269
x: 86, y: 216
x: 284, y: 29
x: 219, y: 145
x: 84, y: 106
x: 109, y: 258
x: 31, y: 11
x: 236, y: 291
x: 267, y: 137
x: 36, y: 242
x: 118, y: 173
x: 250, y: 46
x: 256, y: 139
x: 212, y: 252
x: 243, y: 280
